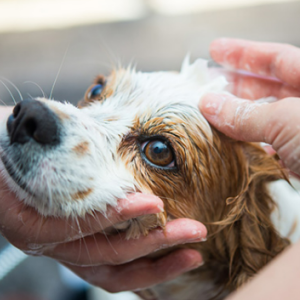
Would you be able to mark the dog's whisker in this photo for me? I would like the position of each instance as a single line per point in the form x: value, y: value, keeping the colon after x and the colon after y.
x: 3, y: 102
x: 75, y: 226
x: 37, y: 85
x: 104, y: 233
x: 59, y: 70
x: 114, y: 62
x: 16, y: 88
x: 84, y: 241
x: 9, y: 91
x: 95, y: 239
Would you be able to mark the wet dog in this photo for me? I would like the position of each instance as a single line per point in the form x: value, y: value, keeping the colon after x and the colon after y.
x: 143, y: 132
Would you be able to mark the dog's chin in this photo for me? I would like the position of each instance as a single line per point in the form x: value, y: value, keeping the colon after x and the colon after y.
x: 10, y: 181
x: 12, y: 176
x: 9, y: 173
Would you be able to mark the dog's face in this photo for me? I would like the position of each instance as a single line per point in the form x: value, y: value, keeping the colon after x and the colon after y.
x: 135, y: 131
x: 143, y: 132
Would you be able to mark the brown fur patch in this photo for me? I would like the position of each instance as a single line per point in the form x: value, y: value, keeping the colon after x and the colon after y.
x: 112, y: 119
x: 81, y: 195
x: 219, y: 182
x: 81, y: 148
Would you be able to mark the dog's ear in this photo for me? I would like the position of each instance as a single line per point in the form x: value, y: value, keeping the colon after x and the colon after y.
x: 251, y: 239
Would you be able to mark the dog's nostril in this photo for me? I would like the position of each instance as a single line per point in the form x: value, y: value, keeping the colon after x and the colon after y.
x: 33, y: 120
x: 16, y: 110
x: 30, y: 127
x: 9, y: 123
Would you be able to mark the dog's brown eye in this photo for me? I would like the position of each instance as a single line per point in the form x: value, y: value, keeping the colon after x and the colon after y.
x: 159, y: 153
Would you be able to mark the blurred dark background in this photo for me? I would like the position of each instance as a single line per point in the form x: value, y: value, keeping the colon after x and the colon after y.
x: 35, y: 50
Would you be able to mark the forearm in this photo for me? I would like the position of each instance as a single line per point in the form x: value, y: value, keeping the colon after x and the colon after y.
x: 279, y: 280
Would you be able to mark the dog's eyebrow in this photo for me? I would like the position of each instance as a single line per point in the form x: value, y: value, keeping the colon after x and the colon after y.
x: 100, y: 79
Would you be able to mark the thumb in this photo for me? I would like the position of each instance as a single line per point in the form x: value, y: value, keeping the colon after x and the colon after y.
x: 239, y: 118
x: 276, y: 123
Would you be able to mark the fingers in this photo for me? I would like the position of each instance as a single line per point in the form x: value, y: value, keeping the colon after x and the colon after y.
x: 247, y: 120
x: 276, y: 123
x: 265, y: 59
x: 240, y: 119
x: 101, y: 249
x: 24, y: 227
x: 142, y: 273
x: 253, y: 87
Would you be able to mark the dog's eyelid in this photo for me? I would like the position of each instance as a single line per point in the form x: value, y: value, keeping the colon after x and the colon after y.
x: 144, y: 144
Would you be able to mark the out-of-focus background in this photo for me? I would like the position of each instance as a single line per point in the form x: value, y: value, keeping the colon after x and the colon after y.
x: 71, y: 41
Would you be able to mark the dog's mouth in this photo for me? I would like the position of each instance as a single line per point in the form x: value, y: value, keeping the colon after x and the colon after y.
x: 14, y: 174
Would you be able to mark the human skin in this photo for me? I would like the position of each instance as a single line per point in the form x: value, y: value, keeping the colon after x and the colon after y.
x: 276, y: 72
x: 110, y: 262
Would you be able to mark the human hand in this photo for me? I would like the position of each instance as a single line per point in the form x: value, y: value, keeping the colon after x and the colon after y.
x: 110, y: 262
x: 277, y: 69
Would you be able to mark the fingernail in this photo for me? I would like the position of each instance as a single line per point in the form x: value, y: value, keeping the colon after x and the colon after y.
x: 199, y: 264
x: 197, y: 236
x: 160, y: 208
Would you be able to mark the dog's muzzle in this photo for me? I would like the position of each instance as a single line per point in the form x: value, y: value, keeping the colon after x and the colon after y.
x: 33, y: 120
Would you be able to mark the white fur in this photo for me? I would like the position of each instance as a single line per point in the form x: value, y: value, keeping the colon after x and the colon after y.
x: 286, y: 216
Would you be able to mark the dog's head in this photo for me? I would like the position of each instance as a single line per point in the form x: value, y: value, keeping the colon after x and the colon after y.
x: 135, y: 131
x: 143, y: 132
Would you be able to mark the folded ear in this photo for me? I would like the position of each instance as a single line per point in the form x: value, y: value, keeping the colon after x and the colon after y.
x: 252, y: 241
x: 200, y: 76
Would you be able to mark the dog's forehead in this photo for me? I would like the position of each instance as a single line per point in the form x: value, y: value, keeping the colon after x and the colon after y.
x: 153, y: 94
x: 165, y: 88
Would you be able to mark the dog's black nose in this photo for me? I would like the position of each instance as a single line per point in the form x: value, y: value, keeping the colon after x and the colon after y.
x: 32, y: 119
